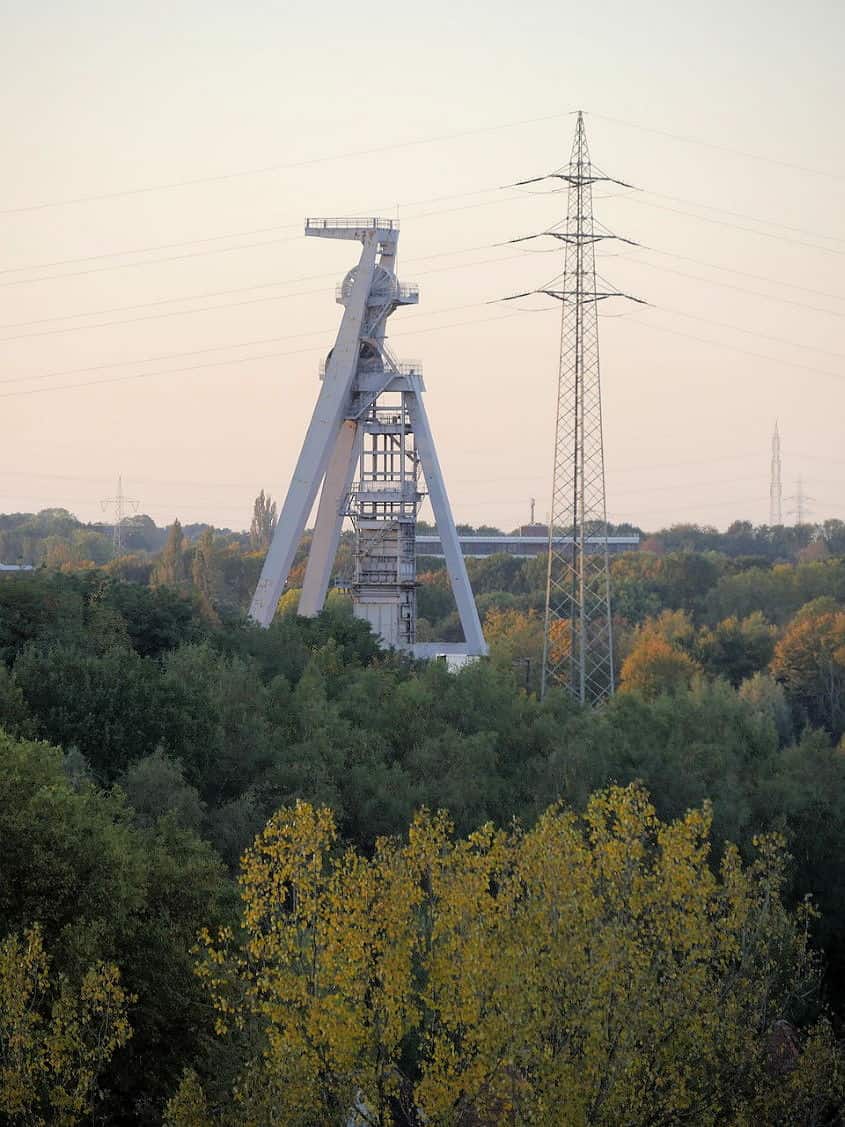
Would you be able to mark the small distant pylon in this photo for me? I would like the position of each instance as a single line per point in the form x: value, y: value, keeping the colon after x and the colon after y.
x: 801, y: 510
x: 119, y: 504
x: 775, y: 486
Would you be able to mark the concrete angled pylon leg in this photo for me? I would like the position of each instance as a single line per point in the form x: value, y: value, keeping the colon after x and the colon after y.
x: 445, y: 522
x: 319, y: 440
x: 321, y: 555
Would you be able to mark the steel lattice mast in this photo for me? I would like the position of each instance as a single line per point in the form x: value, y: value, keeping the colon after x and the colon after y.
x: 119, y: 503
x: 775, y: 487
x: 578, y: 629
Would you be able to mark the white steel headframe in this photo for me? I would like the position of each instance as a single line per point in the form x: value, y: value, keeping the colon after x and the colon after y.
x: 359, y: 373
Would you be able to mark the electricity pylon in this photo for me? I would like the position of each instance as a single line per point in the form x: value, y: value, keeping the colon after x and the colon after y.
x: 801, y: 510
x: 578, y: 629
x: 775, y: 486
x: 119, y: 503
x: 369, y: 420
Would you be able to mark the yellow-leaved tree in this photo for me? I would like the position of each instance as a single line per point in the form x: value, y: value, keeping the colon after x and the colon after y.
x: 516, y: 641
x: 654, y: 666
x: 592, y: 970
x: 55, y: 1039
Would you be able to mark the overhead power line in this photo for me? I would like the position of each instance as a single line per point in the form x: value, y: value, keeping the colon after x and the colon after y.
x: 738, y: 289
x: 742, y: 273
x: 240, y: 246
x: 448, y: 309
x: 741, y: 351
x: 721, y: 148
x: 226, y: 305
x: 147, y: 249
x: 204, y: 294
x: 747, y: 456
x: 282, y: 167
x: 242, y: 359
x: 147, y: 262
x: 746, y: 215
x: 297, y: 226
x: 751, y: 332
x: 738, y: 227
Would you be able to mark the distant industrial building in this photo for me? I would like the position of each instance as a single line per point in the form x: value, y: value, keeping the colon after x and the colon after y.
x: 524, y: 547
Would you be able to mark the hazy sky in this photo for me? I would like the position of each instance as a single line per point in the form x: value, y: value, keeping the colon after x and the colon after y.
x: 742, y: 257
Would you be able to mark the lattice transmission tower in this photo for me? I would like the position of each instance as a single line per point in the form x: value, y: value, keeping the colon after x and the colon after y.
x: 801, y: 500
x: 578, y: 630
x: 775, y: 483
x: 121, y: 506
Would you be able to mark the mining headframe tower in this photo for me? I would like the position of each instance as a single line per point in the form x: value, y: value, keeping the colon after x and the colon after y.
x: 369, y: 446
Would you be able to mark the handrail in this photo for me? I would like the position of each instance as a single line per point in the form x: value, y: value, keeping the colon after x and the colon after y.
x: 404, y: 293
x: 369, y: 222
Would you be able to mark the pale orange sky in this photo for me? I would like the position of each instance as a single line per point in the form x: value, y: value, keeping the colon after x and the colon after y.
x: 744, y: 253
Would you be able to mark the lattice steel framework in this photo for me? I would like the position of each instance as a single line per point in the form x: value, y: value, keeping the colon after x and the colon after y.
x: 802, y: 509
x: 775, y: 486
x: 119, y: 504
x: 578, y: 633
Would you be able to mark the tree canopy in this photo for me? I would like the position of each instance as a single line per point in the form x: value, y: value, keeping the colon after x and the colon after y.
x: 590, y: 970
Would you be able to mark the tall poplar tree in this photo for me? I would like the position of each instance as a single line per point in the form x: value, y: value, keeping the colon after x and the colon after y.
x: 170, y: 570
x: 263, y: 522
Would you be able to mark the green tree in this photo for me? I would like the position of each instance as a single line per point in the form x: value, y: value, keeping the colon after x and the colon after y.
x: 47, y: 608
x: 736, y: 648
x: 207, y: 575
x: 170, y: 569
x: 263, y: 522
x: 104, y: 891
x: 155, y: 786
x: 213, y: 716
x: 810, y: 661
x: 108, y: 705
x: 14, y: 715
x: 767, y: 698
x: 516, y: 643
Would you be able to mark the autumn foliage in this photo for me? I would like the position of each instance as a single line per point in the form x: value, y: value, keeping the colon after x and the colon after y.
x: 55, y: 1038
x: 810, y: 661
x: 593, y: 969
x: 656, y: 666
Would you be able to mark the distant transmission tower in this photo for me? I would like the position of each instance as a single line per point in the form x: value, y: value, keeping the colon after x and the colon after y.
x: 578, y: 633
x: 775, y: 487
x: 801, y: 509
x: 119, y: 504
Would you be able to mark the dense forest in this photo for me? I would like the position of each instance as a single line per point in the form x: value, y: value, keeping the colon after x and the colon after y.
x: 284, y: 877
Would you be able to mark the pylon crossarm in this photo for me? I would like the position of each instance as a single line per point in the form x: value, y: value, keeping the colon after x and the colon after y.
x: 577, y: 179
x: 586, y: 295
x: 588, y: 237
x: 573, y: 237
